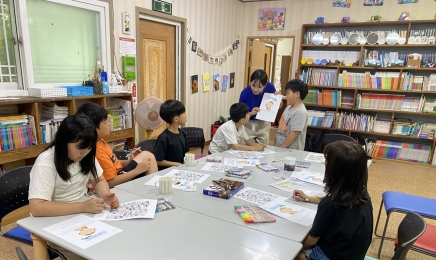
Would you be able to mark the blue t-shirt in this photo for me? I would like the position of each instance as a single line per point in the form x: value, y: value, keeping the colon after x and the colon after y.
x: 247, y: 97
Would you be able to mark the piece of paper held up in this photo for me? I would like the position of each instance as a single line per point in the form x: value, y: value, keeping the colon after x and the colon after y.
x: 257, y: 196
x: 290, y: 211
x: 177, y: 184
x: 246, y: 154
x: 240, y: 162
x: 315, y: 157
x: 82, y: 231
x: 316, y: 178
x: 127, y: 46
x: 217, y: 167
x: 269, y: 107
x: 290, y: 185
x: 181, y: 175
x: 144, y: 208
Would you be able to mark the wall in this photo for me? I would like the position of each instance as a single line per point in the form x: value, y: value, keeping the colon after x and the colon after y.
x: 284, y: 47
x: 300, y: 12
x: 213, y: 24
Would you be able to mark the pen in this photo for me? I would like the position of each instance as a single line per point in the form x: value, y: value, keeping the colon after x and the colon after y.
x: 298, y: 194
x: 86, y: 195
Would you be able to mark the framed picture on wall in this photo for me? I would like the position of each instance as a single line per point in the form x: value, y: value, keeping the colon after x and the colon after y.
x: 126, y: 23
x: 271, y: 19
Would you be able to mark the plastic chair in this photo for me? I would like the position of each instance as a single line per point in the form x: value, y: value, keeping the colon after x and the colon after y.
x: 14, y: 187
x: 403, y: 203
x: 21, y: 255
x: 425, y: 243
x: 121, y: 155
x: 195, y: 137
x: 331, y: 138
x: 147, y: 145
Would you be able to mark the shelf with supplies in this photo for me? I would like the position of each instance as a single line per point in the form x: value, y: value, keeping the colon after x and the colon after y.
x: 375, y: 80
x: 28, y: 124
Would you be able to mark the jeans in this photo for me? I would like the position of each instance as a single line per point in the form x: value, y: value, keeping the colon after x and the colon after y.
x: 316, y: 254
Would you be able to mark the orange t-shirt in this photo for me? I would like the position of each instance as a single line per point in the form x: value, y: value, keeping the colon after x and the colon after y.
x: 107, y: 160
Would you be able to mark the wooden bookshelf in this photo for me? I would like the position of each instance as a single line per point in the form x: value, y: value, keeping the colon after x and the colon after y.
x: 31, y: 106
x: 407, y: 26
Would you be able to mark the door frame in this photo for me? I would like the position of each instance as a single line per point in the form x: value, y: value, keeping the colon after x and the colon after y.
x: 146, y: 14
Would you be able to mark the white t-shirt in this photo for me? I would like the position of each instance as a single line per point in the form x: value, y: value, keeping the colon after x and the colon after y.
x: 46, y: 184
x: 226, y: 136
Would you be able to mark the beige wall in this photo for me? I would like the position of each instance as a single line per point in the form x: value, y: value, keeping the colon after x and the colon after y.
x: 215, y: 24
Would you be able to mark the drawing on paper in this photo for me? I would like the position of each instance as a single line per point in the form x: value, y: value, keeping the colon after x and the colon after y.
x: 187, y: 176
x: 257, y: 196
x: 85, y: 231
x: 217, y: 167
x: 269, y: 107
x: 246, y: 154
x: 133, y: 209
x: 315, y: 157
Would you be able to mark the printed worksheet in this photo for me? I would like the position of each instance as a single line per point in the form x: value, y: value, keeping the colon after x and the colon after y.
x: 292, y: 212
x: 177, y: 184
x: 315, y: 157
x: 316, y: 178
x: 289, y: 185
x: 245, y: 154
x: 266, y: 151
x: 82, y: 231
x: 218, y: 167
x: 240, y: 162
x: 269, y: 107
x: 257, y: 196
x: 181, y: 175
x: 144, y: 208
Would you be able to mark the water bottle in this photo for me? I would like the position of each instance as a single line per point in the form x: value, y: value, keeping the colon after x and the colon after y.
x: 104, y: 84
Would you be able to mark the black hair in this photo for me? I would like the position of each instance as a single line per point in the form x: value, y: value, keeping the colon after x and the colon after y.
x: 346, y: 174
x: 75, y: 129
x: 170, y: 109
x: 96, y: 113
x: 238, y: 111
x: 259, y: 75
x: 298, y: 85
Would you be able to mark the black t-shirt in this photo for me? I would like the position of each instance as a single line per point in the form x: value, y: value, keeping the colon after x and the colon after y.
x: 343, y: 233
x: 171, y: 147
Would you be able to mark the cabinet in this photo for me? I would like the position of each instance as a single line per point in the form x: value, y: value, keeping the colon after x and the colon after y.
x: 31, y: 106
x: 376, y: 81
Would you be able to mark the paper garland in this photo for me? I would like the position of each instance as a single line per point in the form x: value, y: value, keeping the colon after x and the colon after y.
x: 212, y: 59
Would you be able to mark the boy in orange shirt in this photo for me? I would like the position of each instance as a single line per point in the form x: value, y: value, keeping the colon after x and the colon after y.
x: 116, y: 171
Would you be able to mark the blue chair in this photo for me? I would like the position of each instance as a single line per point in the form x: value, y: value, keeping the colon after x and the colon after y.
x: 403, y: 203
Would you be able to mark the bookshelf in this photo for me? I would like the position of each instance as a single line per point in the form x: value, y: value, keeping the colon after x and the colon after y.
x: 32, y: 105
x: 337, y: 69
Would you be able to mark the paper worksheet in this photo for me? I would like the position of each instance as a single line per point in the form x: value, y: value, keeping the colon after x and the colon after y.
x: 266, y: 151
x: 316, y: 178
x: 245, y: 154
x: 290, y: 211
x: 82, y: 231
x: 289, y: 185
x: 269, y: 107
x: 177, y: 184
x: 182, y: 175
x: 144, y: 208
x: 257, y: 196
x: 240, y: 162
x: 315, y: 157
x: 218, y: 167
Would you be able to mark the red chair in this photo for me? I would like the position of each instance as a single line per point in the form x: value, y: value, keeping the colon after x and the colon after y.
x: 426, y: 243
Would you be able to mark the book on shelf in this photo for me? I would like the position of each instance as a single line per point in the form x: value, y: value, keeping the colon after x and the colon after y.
x: 319, y: 76
x: 223, y: 188
x: 17, y: 131
x: 379, y: 101
x: 402, y: 151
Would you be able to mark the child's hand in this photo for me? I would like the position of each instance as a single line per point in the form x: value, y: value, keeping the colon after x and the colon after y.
x: 111, y: 200
x: 135, y: 152
x: 300, y: 195
x: 255, y: 111
x: 94, y: 206
x: 259, y: 147
x: 277, y: 93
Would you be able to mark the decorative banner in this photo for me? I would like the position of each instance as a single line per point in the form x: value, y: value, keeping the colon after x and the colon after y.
x: 373, y: 2
x: 224, y: 85
x: 206, y: 82
x: 216, y: 82
x: 194, y: 84
x: 408, y: 1
x: 271, y: 19
x: 342, y: 3
x: 232, y: 80
x: 194, y: 47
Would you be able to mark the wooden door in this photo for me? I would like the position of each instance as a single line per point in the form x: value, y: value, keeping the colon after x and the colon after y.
x: 158, y: 59
x: 267, y: 61
x: 257, y: 59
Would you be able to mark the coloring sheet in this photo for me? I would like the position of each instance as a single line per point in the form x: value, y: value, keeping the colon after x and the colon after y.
x: 145, y: 208
x: 315, y: 157
x: 177, y: 184
x: 245, y: 154
x: 269, y: 107
x: 240, y: 162
x: 316, y: 178
x: 292, y: 212
x: 290, y: 185
x: 181, y: 175
x: 257, y: 196
x: 82, y: 231
x: 217, y: 167
x: 266, y: 151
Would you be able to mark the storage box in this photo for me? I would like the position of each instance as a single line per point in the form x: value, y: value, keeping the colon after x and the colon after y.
x: 115, y: 89
x: 214, y: 191
x: 47, y: 92
x: 78, y: 91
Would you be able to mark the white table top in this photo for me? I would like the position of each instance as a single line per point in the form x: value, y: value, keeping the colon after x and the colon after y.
x: 174, y: 234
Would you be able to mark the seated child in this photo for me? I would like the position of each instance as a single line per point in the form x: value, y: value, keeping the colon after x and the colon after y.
x: 172, y: 144
x: 230, y: 134
x: 116, y: 171
x: 292, y: 126
x: 343, y: 224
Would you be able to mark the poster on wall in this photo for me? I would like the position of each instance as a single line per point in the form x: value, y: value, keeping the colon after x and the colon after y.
x: 408, y: 1
x: 342, y: 3
x: 232, y: 80
x: 271, y: 19
x: 373, y: 2
x: 216, y: 82
x: 206, y: 82
x: 194, y: 84
x: 224, y: 83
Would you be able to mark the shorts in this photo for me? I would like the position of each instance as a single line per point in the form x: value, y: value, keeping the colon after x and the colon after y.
x: 316, y: 254
x: 131, y: 166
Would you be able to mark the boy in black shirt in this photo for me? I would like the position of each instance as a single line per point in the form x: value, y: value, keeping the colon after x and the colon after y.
x: 343, y: 224
x: 172, y: 144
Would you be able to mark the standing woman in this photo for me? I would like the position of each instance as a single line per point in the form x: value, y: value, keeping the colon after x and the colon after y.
x: 252, y: 96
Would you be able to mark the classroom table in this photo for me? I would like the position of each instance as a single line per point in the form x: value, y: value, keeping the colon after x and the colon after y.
x: 173, y: 234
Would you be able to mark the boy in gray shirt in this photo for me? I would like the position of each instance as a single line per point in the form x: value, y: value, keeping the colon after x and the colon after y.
x: 293, y: 122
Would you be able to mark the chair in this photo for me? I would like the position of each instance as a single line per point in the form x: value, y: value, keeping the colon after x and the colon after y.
x: 195, y: 137
x: 120, y: 154
x: 147, y: 145
x: 14, y: 187
x: 425, y: 243
x: 21, y: 255
x: 331, y: 138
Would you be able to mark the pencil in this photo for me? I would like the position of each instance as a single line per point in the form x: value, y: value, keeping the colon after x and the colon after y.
x: 302, y: 197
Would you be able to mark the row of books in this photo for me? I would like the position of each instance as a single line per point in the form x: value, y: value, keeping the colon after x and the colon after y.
x: 409, y: 128
x: 379, y: 80
x: 117, y: 121
x: 330, y: 98
x: 379, y: 101
x: 17, y: 131
x: 320, y: 118
x: 418, y: 83
x: 48, y: 129
x: 319, y: 76
x: 117, y: 145
x: 399, y: 151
